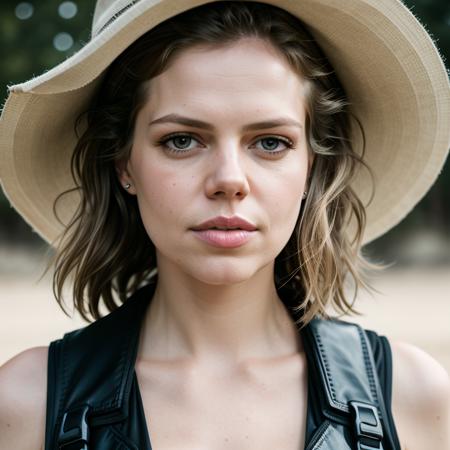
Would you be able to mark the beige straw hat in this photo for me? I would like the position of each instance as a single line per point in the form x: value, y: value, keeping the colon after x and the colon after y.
x: 395, y: 79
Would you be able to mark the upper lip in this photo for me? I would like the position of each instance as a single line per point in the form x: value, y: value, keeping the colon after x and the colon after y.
x: 226, y: 222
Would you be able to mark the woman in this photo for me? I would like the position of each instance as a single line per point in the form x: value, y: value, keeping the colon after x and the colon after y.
x: 194, y: 120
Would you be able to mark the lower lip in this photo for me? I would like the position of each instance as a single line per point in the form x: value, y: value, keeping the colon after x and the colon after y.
x: 223, y: 238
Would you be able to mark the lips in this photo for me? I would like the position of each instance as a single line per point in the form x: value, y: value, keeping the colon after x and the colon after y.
x: 226, y: 223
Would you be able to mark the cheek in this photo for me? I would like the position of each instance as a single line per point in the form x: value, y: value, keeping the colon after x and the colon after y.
x: 285, y: 193
x: 159, y: 197
x: 284, y: 200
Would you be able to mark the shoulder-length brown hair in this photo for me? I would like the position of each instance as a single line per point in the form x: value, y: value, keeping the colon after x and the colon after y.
x: 105, y: 248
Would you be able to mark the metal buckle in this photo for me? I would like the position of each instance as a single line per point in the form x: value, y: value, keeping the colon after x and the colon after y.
x: 367, y: 426
x: 74, y: 431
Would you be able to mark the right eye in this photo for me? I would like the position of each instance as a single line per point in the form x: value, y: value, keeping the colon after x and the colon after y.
x: 181, y: 142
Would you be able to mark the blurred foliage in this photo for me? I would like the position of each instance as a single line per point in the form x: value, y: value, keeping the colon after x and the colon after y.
x: 27, y: 49
x: 27, y: 45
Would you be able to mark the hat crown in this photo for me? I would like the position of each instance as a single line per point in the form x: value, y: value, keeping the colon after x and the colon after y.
x: 107, y: 10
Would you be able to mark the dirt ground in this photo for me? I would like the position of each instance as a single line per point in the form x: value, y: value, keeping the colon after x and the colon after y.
x: 413, y: 306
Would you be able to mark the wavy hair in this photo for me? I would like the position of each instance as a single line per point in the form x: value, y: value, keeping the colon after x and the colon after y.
x: 105, y: 247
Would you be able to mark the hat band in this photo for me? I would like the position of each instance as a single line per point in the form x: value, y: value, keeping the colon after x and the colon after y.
x: 114, y: 17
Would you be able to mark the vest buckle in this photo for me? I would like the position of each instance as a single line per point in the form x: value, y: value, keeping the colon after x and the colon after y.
x: 74, y: 431
x: 367, y: 426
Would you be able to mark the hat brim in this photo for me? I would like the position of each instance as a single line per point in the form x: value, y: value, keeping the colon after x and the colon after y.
x: 393, y: 74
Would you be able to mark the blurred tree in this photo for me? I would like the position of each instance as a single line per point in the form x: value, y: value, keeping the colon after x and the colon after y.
x: 27, y: 48
x: 27, y: 45
x: 435, y: 16
x: 29, y: 31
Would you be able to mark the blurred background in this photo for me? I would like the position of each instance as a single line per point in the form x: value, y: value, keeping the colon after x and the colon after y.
x: 413, y: 299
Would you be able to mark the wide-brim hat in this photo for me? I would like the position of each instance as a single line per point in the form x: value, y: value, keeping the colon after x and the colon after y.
x: 394, y: 77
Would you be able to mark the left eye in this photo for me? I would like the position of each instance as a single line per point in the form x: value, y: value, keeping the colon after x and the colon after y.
x: 272, y: 143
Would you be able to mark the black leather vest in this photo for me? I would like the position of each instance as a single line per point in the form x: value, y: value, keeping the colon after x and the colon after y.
x: 93, y: 398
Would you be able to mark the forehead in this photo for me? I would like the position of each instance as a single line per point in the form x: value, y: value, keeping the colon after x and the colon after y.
x: 246, y: 75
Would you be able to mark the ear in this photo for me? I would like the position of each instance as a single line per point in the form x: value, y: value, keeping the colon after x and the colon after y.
x: 124, y: 176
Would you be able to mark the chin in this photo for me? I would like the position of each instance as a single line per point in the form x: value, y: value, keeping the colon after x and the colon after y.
x: 217, y: 273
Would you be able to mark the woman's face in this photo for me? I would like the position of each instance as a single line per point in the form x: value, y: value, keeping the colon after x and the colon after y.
x: 226, y: 165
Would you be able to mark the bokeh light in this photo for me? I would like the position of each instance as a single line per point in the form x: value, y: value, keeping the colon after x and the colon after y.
x: 67, y: 10
x: 24, y: 10
x: 63, y: 41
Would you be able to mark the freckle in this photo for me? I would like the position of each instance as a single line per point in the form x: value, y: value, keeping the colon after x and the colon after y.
x: 226, y: 439
x: 246, y: 436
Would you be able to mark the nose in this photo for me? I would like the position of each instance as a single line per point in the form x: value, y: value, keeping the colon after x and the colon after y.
x: 227, y: 177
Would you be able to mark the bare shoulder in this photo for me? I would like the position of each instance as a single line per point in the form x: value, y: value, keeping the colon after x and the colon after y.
x: 420, y: 398
x: 23, y: 396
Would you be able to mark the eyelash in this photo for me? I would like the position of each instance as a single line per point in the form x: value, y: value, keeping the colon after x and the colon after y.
x: 163, y: 142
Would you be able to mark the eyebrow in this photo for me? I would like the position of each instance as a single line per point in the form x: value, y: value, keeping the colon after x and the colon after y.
x: 188, y: 121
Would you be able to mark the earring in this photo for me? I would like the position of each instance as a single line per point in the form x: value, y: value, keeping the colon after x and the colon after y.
x: 127, y: 186
x: 305, y: 194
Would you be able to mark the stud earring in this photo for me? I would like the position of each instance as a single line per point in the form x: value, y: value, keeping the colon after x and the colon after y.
x: 127, y: 186
x: 305, y: 194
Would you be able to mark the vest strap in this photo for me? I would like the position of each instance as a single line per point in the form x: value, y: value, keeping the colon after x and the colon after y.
x: 74, y: 431
x: 367, y: 426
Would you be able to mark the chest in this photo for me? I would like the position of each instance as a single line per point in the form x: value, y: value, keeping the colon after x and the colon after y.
x: 261, y: 407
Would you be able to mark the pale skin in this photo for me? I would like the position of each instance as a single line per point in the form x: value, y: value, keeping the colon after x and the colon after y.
x: 217, y: 337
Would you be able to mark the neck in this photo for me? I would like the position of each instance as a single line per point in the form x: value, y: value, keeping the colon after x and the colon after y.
x: 223, y: 325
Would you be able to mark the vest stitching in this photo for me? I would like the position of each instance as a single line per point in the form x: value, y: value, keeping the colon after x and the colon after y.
x: 64, y: 383
x: 114, y: 403
x: 327, y: 368
x: 122, y: 365
x: 123, y: 376
x: 367, y: 365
